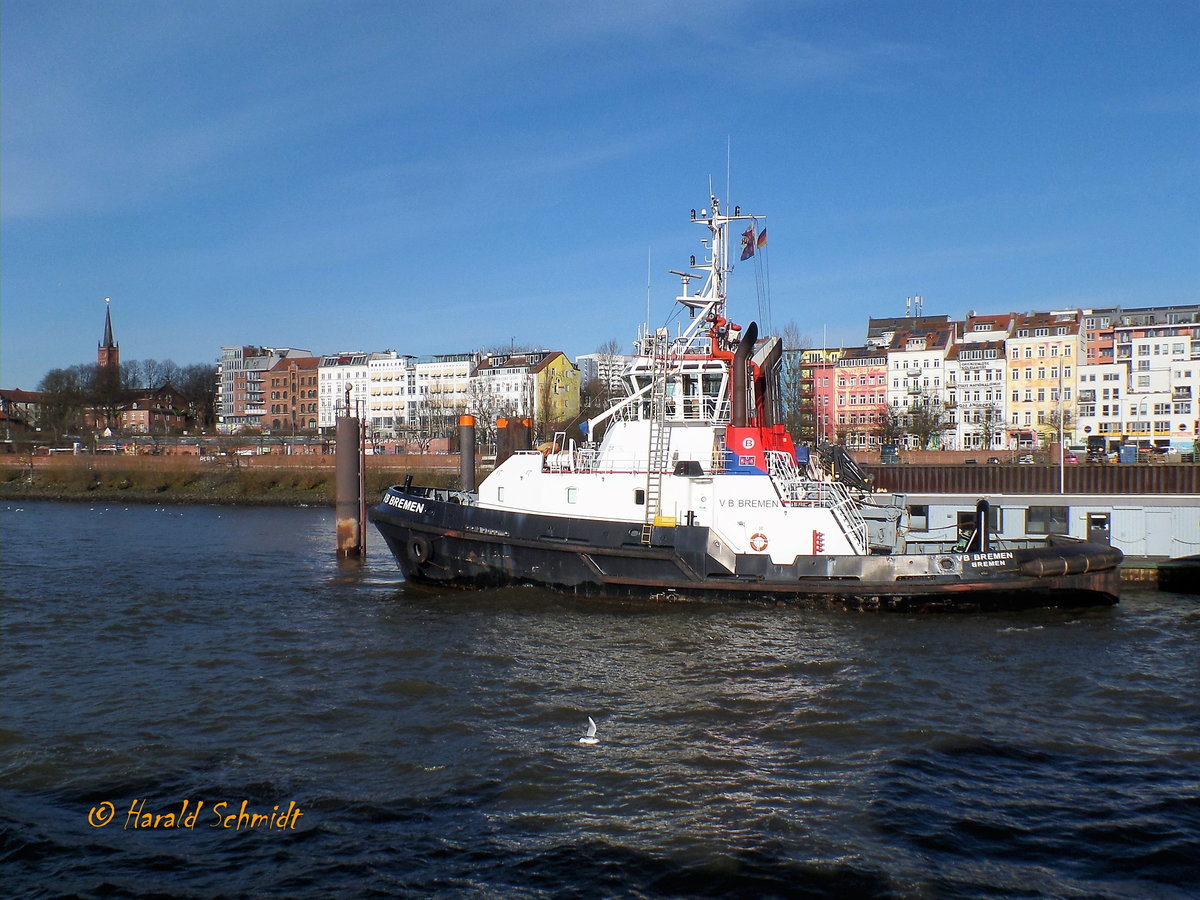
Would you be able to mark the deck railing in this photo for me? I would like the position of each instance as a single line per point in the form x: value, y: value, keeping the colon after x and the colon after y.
x: 797, y: 489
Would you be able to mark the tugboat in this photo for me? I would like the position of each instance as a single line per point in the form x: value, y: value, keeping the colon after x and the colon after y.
x: 696, y: 492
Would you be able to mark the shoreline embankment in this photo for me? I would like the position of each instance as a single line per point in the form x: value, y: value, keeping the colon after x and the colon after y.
x: 245, y: 481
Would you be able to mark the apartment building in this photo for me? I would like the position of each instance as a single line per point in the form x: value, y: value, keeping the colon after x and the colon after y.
x: 440, y: 387
x: 812, y: 373
x: 608, y: 368
x: 917, y: 390
x: 1097, y: 325
x: 341, y: 377
x: 1043, y: 357
x: 387, y: 393
x: 1103, y: 387
x: 241, y: 399
x: 540, y: 384
x: 1160, y: 403
x: 975, y: 395
x: 860, y: 396
x: 290, y: 390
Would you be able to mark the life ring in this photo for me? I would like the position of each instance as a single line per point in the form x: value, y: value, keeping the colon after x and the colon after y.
x: 419, y: 549
x: 758, y: 542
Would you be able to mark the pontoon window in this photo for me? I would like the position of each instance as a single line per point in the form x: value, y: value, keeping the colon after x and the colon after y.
x: 1047, y: 520
x: 918, y: 517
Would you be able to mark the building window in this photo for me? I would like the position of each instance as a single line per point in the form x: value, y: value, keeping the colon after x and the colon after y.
x: 1047, y: 520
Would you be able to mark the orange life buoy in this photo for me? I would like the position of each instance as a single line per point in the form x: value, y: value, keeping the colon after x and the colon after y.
x: 758, y: 542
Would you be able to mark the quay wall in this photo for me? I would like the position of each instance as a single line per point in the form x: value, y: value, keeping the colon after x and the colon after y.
x: 1074, y: 479
x: 250, y: 480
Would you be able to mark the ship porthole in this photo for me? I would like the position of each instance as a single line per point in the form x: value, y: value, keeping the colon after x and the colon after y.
x: 419, y: 549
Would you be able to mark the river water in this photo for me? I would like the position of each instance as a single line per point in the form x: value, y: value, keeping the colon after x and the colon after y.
x: 397, y: 742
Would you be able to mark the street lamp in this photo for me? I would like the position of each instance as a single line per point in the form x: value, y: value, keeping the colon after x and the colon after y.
x: 1062, y: 456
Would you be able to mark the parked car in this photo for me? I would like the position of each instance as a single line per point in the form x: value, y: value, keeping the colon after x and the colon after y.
x: 1025, y: 459
x: 993, y: 460
x: 971, y: 462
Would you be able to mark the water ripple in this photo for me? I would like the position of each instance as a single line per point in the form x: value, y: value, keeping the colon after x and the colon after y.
x: 432, y: 741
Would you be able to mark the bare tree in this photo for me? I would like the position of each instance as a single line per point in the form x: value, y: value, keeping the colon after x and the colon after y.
x: 106, y: 394
x: 926, y: 418
x: 892, y: 426
x: 150, y: 373
x: 64, y: 399
x: 133, y: 373
x: 198, y: 383
x: 991, y: 425
x: 485, y: 405
x: 597, y: 394
x: 169, y: 372
x: 795, y: 401
x: 1067, y: 419
x: 793, y: 338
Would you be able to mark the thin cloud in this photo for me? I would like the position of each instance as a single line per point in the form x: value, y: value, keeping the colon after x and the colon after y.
x: 788, y: 61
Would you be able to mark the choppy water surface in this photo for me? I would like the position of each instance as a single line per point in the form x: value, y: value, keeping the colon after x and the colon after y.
x: 430, y: 742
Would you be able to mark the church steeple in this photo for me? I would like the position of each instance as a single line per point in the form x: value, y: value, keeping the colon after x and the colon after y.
x: 108, y: 355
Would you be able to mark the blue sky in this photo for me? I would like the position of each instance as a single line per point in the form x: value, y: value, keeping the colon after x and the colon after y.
x: 439, y: 177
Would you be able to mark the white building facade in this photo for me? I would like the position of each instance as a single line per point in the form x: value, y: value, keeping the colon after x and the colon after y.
x: 975, y: 395
x: 606, y: 367
x: 917, y: 380
x: 337, y: 374
x: 1160, y: 401
x: 1103, y: 387
x: 387, y: 393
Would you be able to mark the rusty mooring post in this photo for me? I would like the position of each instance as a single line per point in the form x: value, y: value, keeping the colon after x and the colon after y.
x: 348, y: 503
x: 503, y: 441
x: 466, y: 453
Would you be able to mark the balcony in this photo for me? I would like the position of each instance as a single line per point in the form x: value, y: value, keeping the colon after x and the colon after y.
x: 1182, y: 393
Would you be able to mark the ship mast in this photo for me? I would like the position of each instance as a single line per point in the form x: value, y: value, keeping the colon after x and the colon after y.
x: 706, y: 306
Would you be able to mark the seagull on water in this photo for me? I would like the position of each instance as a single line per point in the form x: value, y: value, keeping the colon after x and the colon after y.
x: 590, y: 737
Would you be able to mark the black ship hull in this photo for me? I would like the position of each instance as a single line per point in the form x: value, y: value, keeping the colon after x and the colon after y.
x: 438, y: 537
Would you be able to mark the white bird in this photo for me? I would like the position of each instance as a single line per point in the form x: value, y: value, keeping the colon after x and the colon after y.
x: 590, y: 737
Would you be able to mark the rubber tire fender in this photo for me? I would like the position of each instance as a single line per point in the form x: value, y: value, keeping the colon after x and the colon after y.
x: 418, y: 549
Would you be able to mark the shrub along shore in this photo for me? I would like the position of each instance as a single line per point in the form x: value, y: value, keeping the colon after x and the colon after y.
x: 166, y: 480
